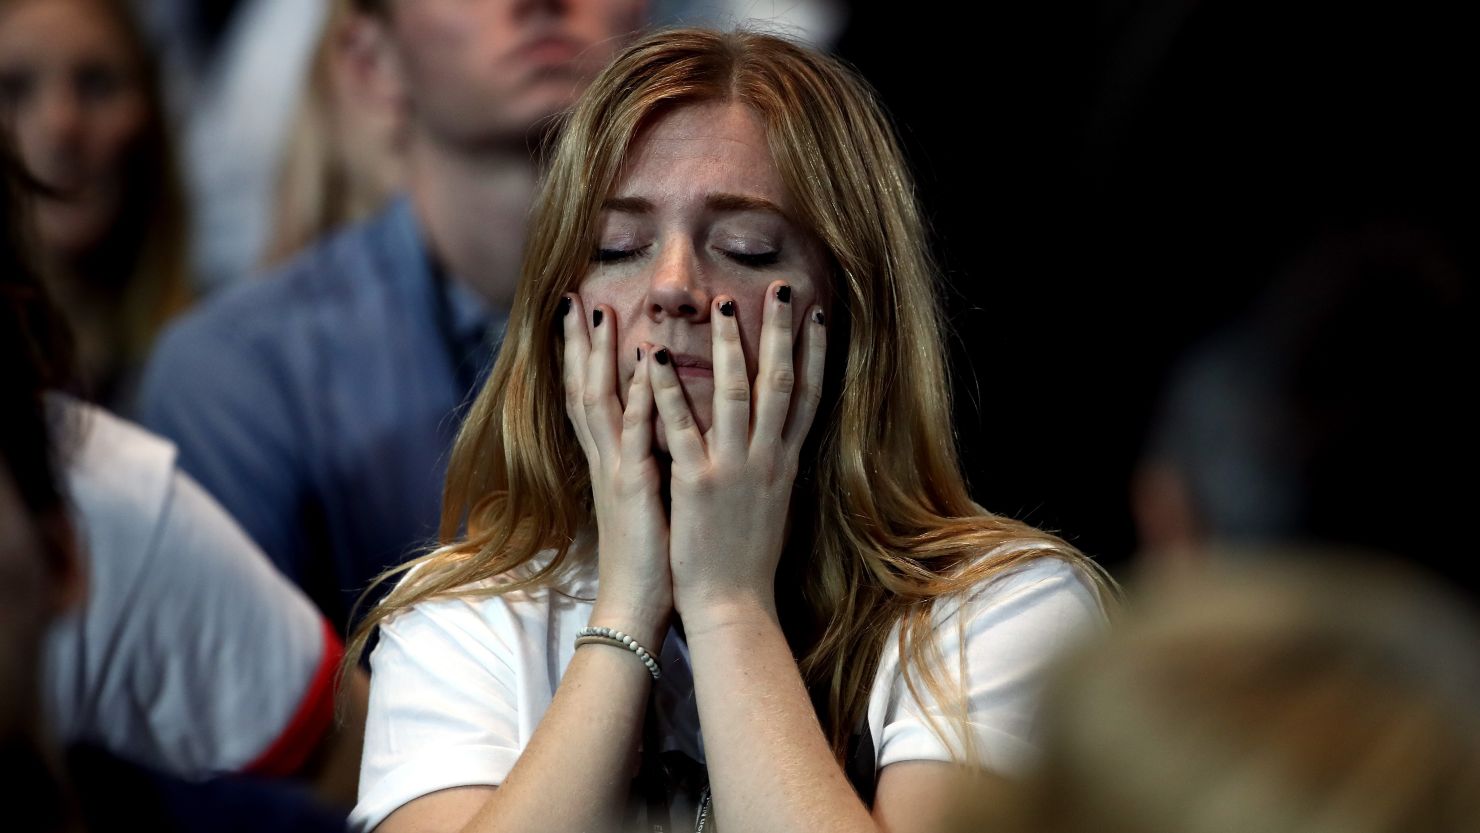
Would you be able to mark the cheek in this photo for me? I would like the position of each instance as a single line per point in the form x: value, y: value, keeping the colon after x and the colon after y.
x: 623, y: 297
x: 114, y: 135
x: 624, y: 312
x: 436, y: 45
x: 751, y: 311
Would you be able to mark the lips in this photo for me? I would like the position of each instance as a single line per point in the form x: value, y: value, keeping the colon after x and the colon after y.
x: 686, y: 365
x: 550, y: 50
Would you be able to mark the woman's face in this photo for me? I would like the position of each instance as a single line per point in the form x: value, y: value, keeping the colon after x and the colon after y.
x: 699, y: 214
x: 71, y: 95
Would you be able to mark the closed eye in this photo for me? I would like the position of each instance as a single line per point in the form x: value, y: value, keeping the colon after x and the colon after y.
x: 617, y: 255
x: 754, y: 261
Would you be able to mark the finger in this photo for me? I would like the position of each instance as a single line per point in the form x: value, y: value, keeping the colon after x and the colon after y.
x: 637, y: 419
x: 812, y: 353
x: 599, y: 395
x: 775, y: 379
x: 577, y: 348
x: 731, y: 429
x: 685, y: 444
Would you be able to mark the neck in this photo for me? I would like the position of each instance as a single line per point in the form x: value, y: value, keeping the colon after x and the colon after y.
x: 90, y: 296
x: 473, y: 207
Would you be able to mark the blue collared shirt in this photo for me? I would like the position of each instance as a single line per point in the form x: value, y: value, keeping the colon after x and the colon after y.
x: 319, y: 404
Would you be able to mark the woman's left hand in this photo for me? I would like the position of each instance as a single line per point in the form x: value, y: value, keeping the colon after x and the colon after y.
x: 731, y: 485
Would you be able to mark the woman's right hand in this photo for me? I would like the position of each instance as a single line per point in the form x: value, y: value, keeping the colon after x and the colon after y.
x: 635, y: 595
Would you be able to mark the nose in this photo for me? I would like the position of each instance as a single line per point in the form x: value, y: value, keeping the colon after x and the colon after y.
x: 50, y: 135
x: 676, y: 288
x: 59, y: 116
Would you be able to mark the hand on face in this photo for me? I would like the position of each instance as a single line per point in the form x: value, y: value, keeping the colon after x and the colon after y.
x: 701, y: 270
x: 729, y: 481
x: 636, y: 593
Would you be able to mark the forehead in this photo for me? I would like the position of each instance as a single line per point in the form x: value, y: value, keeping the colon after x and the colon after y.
x: 701, y: 149
x: 59, y: 29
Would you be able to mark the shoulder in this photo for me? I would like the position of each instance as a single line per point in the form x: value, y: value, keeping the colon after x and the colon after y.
x: 1019, y: 616
x: 330, y: 278
x: 256, y: 351
x: 480, y: 617
x: 1051, y: 587
x: 1025, y: 616
x: 991, y: 646
x: 118, y: 475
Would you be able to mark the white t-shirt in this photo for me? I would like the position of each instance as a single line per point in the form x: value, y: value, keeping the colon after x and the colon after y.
x: 190, y: 653
x: 459, y: 685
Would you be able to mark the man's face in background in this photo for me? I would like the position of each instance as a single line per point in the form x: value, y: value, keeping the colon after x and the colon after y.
x: 479, y: 72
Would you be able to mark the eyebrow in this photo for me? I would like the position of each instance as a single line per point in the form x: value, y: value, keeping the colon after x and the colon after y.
x: 713, y: 202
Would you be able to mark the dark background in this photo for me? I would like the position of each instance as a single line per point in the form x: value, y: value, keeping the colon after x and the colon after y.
x: 1111, y: 182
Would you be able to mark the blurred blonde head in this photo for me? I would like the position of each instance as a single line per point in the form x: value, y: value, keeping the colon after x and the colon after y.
x: 343, y: 158
x: 1321, y: 695
x: 882, y: 525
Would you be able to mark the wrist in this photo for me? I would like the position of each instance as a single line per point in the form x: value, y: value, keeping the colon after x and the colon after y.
x: 646, y: 625
x: 744, y: 611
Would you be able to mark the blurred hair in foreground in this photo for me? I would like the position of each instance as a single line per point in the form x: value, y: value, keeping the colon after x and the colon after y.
x: 1319, y: 693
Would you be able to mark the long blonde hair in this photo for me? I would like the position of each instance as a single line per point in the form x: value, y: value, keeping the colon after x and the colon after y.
x: 881, y: 522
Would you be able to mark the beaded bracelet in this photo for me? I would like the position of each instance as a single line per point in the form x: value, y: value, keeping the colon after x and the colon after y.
x: 609, y: 636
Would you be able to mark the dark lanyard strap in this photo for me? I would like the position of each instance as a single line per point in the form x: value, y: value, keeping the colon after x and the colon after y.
x: 652, y: 779
x: 462, y: 364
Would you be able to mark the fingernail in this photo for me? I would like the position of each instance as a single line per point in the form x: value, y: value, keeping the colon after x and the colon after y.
x: 817, y: 316
x: 639, y: 354
x: 727, y: 309
x: 596, y: 318
x: 661, y: 356
x: 783, y: 294
x: 564, y: 305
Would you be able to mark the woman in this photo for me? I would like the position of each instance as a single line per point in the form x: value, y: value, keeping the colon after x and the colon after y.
x: 78, y: 93
x: 727, y: 244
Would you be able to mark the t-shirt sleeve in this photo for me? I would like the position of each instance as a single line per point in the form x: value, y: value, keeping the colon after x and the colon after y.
x: 228, y: 664
x: 444, y: 707
x: 224, y: 403
x: 1013, y: 630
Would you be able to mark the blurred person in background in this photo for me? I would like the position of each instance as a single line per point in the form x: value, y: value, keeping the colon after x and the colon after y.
x: 1336, y: 411
x: 343, y: 158
x: 79, y: 97
x: 236, y: 73
x: 241, y: 76
x: 318, y: 405
x: 1300, y: 692
x: 180, y: 648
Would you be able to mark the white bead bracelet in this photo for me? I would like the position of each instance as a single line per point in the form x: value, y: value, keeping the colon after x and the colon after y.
x: 610, y: 636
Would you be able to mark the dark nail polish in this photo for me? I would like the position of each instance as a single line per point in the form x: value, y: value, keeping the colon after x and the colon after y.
x: 817, y: 316
x: 564, y: 306
x: 783, y: 294
x: 661, y: 356
x: 596, y: 318
x: 727, y: 309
